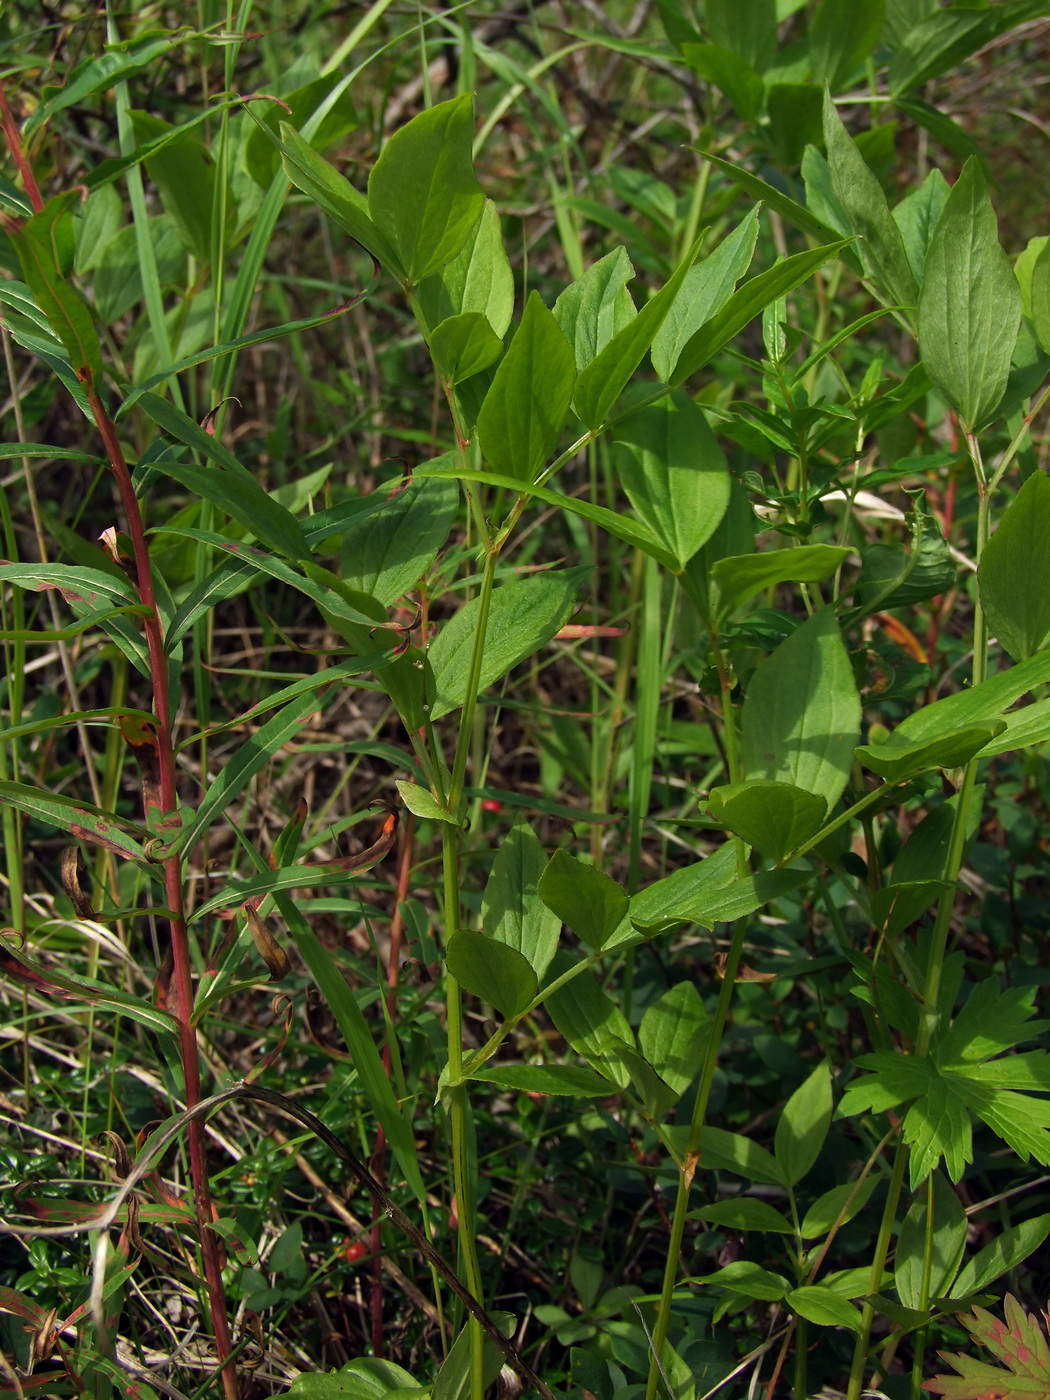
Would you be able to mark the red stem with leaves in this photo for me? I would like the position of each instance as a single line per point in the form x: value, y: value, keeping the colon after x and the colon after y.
x: 168, y: 797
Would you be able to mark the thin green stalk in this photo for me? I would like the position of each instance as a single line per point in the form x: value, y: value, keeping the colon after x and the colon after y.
x: 458, y: 1107
x: 691, y: 1156
x: 878, y: 1266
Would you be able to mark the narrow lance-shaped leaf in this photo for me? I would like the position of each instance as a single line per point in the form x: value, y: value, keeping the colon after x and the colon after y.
x: 970, y: 303
x: 606, y: 377
x: 44, y: 245
x: 880, y: 245
x: 746, y: 303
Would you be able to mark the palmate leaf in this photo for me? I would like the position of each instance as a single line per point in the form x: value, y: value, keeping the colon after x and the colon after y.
x: 1019, y: 1343
x: 961, y: 1080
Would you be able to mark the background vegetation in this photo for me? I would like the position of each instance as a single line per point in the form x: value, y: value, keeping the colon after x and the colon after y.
x: 297, y: 845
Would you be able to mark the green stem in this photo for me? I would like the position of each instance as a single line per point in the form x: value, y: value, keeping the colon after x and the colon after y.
x: 878, y: 1265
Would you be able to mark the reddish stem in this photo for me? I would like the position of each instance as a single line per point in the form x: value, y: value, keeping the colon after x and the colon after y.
x: 14, y: 145
x: 180, y: 945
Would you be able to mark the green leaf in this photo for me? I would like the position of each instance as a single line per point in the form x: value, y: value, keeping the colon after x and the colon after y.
x: 367, y: 1062
x: 388, y: 551
x: 684, y: 887
x: 970, y: 303
x: 945, y: 733
x: 917, y: 216
x: 605, y: 378
x: 238, y: 770
x: 824, y: 1307
x: 935, y: 1244
x: 844, y: 1201
x: 880, y: 245
x: 732, y: 74
x: 423, y: 195
x: 424, y: 804
x: 1039, y: 298
x: 1001, y: 1256
x: 567, y: 1081
x: 524, y: 410
x: 707, y: 287
x: 797, y: 214
x: 674, y: 472
x: 523, y: 616
x: 116, y: 64
x: 262, y: 158
x: 1014, y: 573
x: 613, y: 522
x: 803, y: 1126
x: 464, y: 345
x: 80, y: 819
x: 673, y: 1035
x: 748, y: 30
x: 594, y: 308
x: 368, y: 1378
x: 723, y: 906
x: 739, y: 577
x: 53, y: 984
x: 455, y: 1378
x: 333, y: 193
x: 842, y: 35
x: 745, y: 1213
x: 478, y: 278
x: 749, y: 1279
x: 493, y: 971
x: 794, y: 111
x: 801, y: 716
x: 896, y: 760
x: 775, y: 818
x: 724, y: 1151
x: 590, y: 902
x: 746, y: 303
x: 946, y: 37
x: 91, y: 587
x: 234, y: 490
x: 44, y: 245
x: 588, y: 1018
x: 511, y: 909
x: 184, y: 173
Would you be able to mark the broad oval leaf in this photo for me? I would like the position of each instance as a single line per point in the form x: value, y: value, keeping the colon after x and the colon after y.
x: 838, y: 1205
x: 479, y: 278
x: 824, y: 1307
x: 423, y: 195
x: 740, y: 576
x: 568, y: 1081
x: 801, y: 717
x: 511, y: 908
x: 745, y: 1213
x: 493, y: 971
x: 596, y: 306
x: 387, y: 552
x: 1014, y: 573
x: 589, y: 901
x: 464, y: 345
x: 523, y: 616
x: 673, y: 1034
x: 803, y: 1126
x: 775, y: 818
x: 674, y: 472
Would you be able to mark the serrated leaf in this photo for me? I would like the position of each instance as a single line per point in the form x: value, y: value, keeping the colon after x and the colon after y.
x: 1019, y: 1343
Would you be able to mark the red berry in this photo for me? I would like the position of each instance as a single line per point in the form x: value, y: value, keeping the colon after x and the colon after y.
x: 491, y: 804
x: 354, y: 1250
